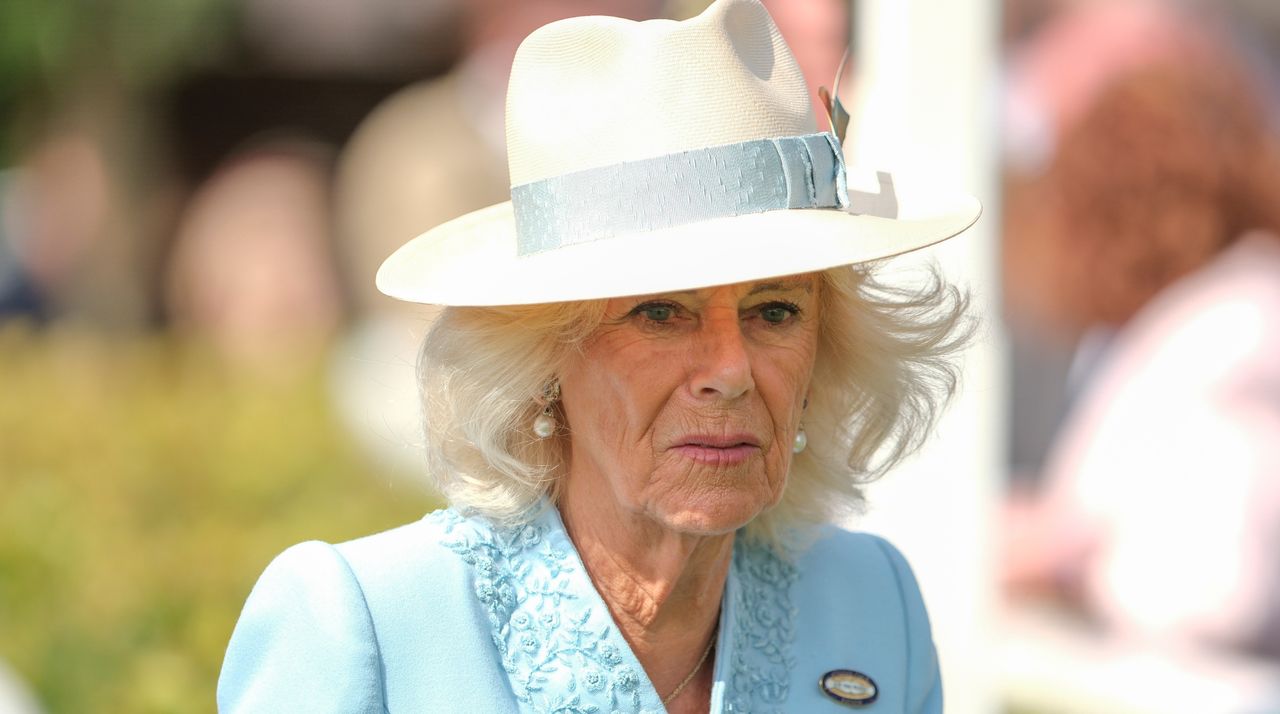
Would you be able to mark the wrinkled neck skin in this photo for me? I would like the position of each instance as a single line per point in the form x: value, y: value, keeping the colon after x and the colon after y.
x: 662, y: 587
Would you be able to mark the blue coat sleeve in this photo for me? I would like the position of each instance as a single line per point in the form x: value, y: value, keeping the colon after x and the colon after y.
x: 305, y: 641
x: 924, y: 681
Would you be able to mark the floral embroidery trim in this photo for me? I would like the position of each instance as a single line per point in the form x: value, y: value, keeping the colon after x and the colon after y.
x: 559, y: 656
x: 764, y: 633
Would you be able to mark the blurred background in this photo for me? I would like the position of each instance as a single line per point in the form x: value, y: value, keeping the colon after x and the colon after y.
x: 196, y: 372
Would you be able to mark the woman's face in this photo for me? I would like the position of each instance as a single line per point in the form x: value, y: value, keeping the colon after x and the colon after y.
x: 683, y: 407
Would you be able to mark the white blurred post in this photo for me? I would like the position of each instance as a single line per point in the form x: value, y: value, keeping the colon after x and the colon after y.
x: 925, y: 105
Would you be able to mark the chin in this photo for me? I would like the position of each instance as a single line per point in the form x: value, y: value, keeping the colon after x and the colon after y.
x: 714, y: 511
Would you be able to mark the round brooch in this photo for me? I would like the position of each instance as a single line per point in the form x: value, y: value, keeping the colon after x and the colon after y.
x: 848, y: 687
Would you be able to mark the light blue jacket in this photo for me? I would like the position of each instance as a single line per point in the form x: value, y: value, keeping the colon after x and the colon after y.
x: 451, y: 614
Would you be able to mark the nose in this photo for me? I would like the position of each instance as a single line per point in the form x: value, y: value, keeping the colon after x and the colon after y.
x: 723, y: 366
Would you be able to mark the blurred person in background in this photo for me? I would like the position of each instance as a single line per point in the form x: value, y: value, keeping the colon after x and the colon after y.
x: 1143, y: 225
x: 18, y: 295
x: 251, y: 271
x: 93, y: 195
x: 54, y: 217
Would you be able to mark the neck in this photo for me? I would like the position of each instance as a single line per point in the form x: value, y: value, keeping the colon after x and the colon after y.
x: 663, y: 588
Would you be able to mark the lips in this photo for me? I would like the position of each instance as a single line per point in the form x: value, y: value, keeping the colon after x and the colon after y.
x: 720, y: 442
x: 718, y: 450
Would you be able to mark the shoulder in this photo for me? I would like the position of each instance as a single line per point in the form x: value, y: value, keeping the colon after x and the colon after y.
x: 421, y: 546
x: 835, y: 550
x: 304, y: 639
x: 867, y: 566
x: 436, y: 555
x: 830, y: 540
x: 323, y: 622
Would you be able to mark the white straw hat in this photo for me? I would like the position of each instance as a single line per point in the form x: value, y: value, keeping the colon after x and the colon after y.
x: 655, y: 156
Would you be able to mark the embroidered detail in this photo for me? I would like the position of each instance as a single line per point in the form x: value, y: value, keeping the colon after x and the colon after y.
x: 559, y: 645
x: 764, y: 632
x: 561, y: 654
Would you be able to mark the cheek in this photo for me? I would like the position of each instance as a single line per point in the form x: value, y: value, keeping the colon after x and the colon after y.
x: 617, y: 388
x: 783, y: 377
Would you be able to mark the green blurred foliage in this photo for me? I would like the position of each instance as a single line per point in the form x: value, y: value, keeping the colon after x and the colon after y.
x: 143, y: 41
x: 143, y: 488
x: 50, y: 48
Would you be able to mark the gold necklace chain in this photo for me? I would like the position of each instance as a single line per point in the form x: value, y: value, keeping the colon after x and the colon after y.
x: 689, y: 678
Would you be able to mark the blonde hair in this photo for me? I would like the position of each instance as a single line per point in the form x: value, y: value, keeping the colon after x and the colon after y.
x: 882, y: 372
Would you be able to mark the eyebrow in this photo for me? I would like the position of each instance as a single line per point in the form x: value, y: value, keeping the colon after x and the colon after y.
x: 782, y: 286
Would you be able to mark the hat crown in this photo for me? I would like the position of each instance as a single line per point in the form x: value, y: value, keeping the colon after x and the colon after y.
x: 596, y: 91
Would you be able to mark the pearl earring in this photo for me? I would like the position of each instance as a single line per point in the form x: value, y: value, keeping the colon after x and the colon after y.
x: 544, y: 425
x: 801, y: 441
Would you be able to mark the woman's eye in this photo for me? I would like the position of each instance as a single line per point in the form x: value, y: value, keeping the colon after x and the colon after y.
x: 777, y: 313
x: 656, y: 312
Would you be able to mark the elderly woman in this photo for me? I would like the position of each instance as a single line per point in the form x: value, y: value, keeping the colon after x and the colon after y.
x: 654, y: 380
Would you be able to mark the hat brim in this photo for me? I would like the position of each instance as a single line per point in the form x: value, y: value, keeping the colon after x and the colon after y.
x: 472, y: 260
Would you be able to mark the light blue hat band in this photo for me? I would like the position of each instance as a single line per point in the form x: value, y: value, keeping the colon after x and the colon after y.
x: 677, y: 189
